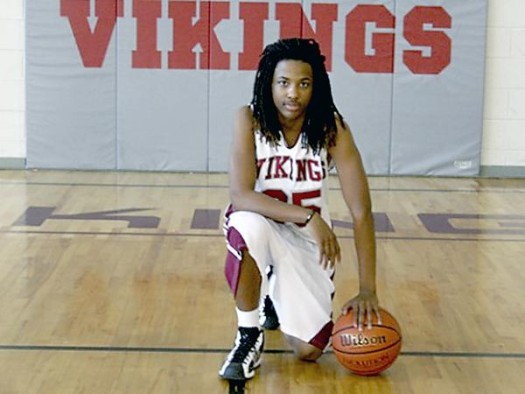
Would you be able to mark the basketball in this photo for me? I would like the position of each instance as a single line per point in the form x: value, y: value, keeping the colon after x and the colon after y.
x: 370, y: 351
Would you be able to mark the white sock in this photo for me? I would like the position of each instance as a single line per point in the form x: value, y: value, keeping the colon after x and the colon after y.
x: 248, y: 318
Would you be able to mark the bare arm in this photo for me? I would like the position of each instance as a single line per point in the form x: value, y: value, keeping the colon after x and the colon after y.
x: 356, y: 194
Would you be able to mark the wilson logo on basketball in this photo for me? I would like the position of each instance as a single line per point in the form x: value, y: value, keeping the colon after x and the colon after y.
x: 361, y: 340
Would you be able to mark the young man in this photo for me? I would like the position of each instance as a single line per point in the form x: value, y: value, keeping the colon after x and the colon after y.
x: 284, y: 144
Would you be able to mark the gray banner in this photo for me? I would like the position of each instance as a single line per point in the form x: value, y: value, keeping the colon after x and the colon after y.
x: 153, y: 84
x: 70, y: 109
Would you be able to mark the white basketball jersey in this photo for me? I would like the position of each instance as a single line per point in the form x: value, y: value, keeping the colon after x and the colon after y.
x: 293, y: 174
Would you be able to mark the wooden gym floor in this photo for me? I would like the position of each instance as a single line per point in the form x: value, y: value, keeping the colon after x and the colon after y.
x: 113, y: 283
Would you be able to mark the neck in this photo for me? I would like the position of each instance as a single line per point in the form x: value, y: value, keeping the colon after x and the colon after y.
x: 293, y: 126
x: 291, y: 136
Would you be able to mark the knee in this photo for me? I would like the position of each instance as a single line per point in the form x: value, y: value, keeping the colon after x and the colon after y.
x: 249, y: 269
x: 251, y: 225
x: 306, y: 352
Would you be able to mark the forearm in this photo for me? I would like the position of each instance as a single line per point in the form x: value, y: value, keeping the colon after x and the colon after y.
x: 365, y: 245
x: 268, y: 206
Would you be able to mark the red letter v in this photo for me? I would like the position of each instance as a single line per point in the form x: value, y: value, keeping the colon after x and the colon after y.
x: 92, y: 45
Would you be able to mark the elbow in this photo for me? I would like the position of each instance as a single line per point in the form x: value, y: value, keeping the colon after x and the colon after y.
x: 363, y: 216
x: 237, y: 200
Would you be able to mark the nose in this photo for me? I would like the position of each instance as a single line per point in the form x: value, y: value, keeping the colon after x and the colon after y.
x: 292, y: 91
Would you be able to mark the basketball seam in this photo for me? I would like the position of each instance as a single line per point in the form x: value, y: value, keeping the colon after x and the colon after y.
x: 398, y: 332
x: 370, y: 351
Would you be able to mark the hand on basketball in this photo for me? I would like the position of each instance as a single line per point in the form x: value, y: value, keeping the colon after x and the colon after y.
x: 329, y: 250
x: 365, y: 302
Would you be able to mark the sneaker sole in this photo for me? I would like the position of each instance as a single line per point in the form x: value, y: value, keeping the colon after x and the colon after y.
x: 238, y: 373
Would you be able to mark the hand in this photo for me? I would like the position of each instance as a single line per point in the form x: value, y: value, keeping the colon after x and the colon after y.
x: 323, y: 235
x: 364, y: 302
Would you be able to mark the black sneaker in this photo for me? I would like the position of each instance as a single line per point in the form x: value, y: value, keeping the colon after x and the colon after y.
x: 267, y: 316
x: 245, y: 356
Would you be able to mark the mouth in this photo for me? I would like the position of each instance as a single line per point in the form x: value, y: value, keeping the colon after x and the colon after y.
x: 292, y: 106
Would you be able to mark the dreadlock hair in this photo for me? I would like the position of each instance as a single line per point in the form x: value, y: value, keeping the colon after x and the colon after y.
x: 319, y: 127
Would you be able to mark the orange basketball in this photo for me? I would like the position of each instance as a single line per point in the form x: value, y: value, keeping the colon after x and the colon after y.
x: 370, y: 351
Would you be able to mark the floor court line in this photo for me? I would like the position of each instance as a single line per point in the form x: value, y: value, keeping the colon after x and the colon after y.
x: 121, y: 349
x: 377, y: 189
x: 220, y: 235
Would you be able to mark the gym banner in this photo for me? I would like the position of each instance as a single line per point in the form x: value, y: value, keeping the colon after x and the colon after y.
x: 153, y: 84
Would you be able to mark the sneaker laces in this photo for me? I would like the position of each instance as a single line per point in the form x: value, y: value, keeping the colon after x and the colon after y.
x: 247, y: 340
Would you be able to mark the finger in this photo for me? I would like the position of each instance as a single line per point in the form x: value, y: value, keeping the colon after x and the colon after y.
x: 326, y: 263
x: 329, y: 261
x: 328, y: 250
x: 369, y: 315
x: 324, y: 256
x: 338, y: 252
x: 335, y: 253
x: 321, y: 255
x: 329, y: 254
x: 354, y: 319
x: 378, y: 314
x: 335, y: 249
x: 337, y: 256
x: 361, y: 317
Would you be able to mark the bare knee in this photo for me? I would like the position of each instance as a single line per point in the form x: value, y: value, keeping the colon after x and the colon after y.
x: 304, y: 351
x: 308, y: 354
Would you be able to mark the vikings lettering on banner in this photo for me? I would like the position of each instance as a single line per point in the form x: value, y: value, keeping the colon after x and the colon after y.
x: 194, y: 24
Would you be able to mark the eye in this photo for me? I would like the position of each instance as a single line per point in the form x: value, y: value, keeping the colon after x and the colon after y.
x: 282, y: 82
x: 305, y: 84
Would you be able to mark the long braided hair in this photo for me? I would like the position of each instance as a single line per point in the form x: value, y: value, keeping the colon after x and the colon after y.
x: 319, y: 127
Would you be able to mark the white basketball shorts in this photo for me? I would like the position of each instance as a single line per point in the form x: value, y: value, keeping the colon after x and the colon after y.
x: 301, y: 290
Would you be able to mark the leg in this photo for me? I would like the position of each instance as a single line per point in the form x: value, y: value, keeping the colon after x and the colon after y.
x: 245, y: 356
x: 302, y: 350
x: 244, y: 277
x: 249, y: 285
x: 300, y: 280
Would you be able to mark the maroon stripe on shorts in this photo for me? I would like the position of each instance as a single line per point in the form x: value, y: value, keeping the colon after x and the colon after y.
x: 232, y: 266
x: 322, y: 338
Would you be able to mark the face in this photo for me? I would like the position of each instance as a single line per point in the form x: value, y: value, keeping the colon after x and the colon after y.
x: 292, y: 87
